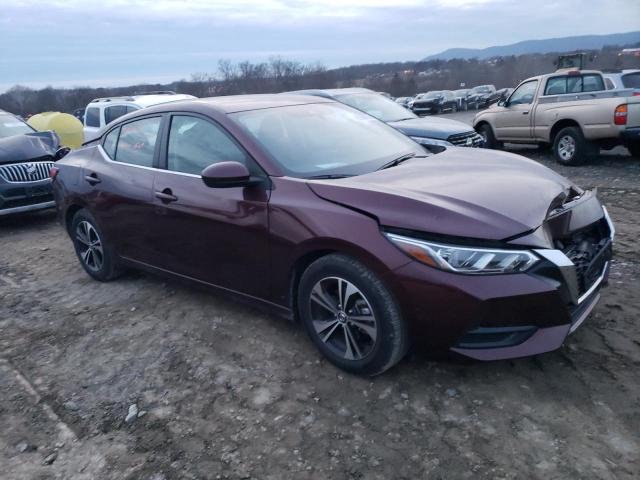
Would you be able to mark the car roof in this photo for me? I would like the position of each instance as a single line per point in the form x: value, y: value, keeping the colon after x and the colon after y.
x: 332, y: 92
x: 563, y: 73
x: 238, y: 103
x: 142, y: 100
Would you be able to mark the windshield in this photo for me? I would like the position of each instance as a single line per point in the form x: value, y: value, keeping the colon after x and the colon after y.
x: 433, y: 94
x: 10, y: 125
x: 325, y: 139
x: 376, y: 105
x: 459, y: 93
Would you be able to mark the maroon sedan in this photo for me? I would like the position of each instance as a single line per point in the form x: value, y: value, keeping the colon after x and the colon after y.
x: 335, y: 219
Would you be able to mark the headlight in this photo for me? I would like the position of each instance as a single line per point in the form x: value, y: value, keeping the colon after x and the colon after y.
x: 469, y: 260
x: 432, y: 141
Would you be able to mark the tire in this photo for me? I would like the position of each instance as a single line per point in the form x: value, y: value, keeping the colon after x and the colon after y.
x: 489, y: 138
x: 571, y: 148
x: 454, y: 109
x: 95, y: 256
x: 373, y: 343
x: 634, y: 149
x: 465, y: 106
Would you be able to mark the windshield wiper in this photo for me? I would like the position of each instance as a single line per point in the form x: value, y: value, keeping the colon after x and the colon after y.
x: 328, y: 176
x: 399, y: 160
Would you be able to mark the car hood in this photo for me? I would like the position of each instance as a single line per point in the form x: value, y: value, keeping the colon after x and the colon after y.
x: 482, y: 194
x: 30, y: 146
x: 440, y: 128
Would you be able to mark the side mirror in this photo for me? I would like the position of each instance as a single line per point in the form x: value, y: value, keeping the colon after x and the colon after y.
x: 228, y: 175
x: 502, y: 103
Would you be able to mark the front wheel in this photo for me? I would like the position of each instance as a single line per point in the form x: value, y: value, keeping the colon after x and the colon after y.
x: 351, y: 316
x: 571, y: 148
x: 486, y: 132
x: 96, y: 256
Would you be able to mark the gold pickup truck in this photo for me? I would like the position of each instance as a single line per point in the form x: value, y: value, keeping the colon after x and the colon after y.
x: 569, y: 110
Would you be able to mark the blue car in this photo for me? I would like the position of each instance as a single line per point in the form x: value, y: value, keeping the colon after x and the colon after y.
x: 435, y: 134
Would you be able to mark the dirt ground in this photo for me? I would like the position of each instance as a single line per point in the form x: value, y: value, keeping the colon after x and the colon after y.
x: 225, y: 391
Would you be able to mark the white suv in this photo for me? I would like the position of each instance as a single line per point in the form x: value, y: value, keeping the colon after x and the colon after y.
x: 103, y: 111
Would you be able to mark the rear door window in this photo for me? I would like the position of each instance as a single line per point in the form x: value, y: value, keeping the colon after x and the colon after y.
x: 137, y: 142
x: 92, y: 117
x: 113, y: 112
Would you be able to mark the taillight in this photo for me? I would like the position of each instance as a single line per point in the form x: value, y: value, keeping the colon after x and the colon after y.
x: 620, y: 115
x: 53, y: 172
x: 636, y: 94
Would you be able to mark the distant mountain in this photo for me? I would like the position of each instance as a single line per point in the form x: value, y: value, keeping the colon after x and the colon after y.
x: 564, y: 44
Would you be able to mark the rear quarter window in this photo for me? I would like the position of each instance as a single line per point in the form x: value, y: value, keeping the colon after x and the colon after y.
x: 110, y: 141
x: 631, y: 80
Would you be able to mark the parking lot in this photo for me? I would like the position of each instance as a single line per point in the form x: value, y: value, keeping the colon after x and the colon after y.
x: 211, y: 388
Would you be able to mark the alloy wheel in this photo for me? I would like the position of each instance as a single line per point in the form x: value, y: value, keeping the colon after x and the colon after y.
x: 342, y: 318
x: 567, y: 147
x: 89, y: 246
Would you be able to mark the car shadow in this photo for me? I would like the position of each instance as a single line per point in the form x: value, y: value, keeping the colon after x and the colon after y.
x: 27, y: 221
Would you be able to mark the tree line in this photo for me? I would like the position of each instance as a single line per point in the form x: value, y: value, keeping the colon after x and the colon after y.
x: 280, y: 75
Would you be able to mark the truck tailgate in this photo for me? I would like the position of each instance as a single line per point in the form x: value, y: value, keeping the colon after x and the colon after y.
x: 633, y: 112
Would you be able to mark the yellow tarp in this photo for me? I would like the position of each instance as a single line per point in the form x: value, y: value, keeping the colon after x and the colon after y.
x: 68, y: 127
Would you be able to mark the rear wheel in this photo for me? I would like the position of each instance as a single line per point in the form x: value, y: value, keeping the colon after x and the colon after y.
x: 634, y: 149
x: 96, y: 257
x: 571, y: 148
x: 351, y: 316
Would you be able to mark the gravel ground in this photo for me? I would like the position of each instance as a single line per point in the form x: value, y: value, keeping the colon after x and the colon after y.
x: 143, y: 378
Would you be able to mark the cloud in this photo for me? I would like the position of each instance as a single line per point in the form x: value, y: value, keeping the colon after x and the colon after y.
x: 59, y: 41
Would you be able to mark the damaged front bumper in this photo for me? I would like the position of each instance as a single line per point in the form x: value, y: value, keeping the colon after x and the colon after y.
x: 578, y: 283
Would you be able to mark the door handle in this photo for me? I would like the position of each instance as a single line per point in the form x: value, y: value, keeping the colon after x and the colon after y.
x: 526, y: 112
x: 92, y: 179
x: 166, y: 195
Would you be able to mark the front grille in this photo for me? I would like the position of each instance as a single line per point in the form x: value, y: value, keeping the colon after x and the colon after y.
x: 25, y: 172
x: 462, y: 139
x: 589, y: 250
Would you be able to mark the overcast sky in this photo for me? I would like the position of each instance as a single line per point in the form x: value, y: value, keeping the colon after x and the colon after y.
x: 120, y: 42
